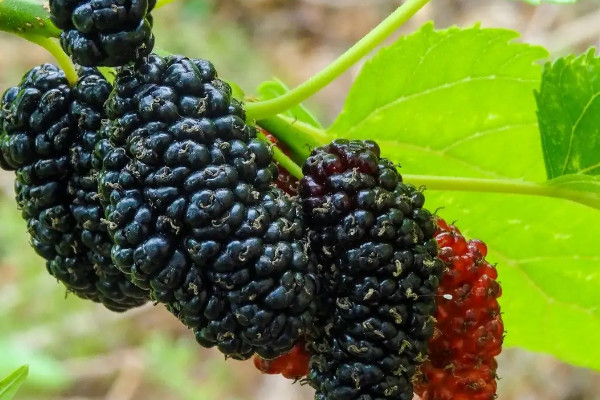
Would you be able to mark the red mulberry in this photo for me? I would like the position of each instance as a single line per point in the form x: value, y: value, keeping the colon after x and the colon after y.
x: 292, y: 365
x: 468, y: 330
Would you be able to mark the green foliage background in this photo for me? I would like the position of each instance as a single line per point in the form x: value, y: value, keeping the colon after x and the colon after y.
x: 460, y: 103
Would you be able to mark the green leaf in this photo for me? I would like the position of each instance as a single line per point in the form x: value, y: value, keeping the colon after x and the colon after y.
x: 569, y: 115
x: 47, y: 373
x: 459, y: 102
x: 548, y: 266
x: 585, y: 188
x: 274, y: 88
x: 10, y: 384
x: 236, y: 91
x: 447, y: 94
x: 26, y: 17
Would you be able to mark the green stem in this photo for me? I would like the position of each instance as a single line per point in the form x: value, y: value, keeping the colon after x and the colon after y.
x: 298, y: 136
x: 263, y: 109
x: 61, y: 57
x: 109, y: 74
x: 301, y: 138
x: 287, y: 163
x: 26, y: 17
x: 282, y: 159
x: 495, y: 186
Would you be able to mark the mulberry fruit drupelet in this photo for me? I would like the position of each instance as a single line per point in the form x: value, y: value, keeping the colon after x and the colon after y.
x: 194, y: 217
x: 104, y: 32
x: 373, y: 242
x: 46, y: 137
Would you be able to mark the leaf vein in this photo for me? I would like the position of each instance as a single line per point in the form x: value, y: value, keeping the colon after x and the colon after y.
x: 575, y: 126
x: 588, y: 169
x: 549, y: 298
x: 485, y: 132
x: 402, y: 99
x: 443, y: 155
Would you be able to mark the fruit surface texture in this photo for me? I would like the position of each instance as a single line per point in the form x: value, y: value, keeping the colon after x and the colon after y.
x: 44, y: 122
x: 469, y: 329
x: 104, y: 32
x: 373, y: 243
x: 195, y: 219
x: 87, y: 112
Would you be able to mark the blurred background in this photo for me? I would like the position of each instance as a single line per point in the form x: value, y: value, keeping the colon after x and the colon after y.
x: 78, y: 350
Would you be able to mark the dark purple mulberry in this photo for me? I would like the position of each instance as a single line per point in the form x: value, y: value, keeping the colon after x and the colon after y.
x: 87, y: 113
x: 186, y: 185
x: 39, y: 129
x: 374, y: 247
x: 104, y: 32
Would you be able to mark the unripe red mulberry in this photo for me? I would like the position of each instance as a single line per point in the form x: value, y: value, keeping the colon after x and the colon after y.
x: 292, y: 365
x: 469, y: 330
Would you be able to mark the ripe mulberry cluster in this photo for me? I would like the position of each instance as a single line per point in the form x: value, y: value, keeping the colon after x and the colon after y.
x: 187, y: 190
x: 469, y: 330
x: 38, y: 134
x: 377, y: 259
x: 104, y: 32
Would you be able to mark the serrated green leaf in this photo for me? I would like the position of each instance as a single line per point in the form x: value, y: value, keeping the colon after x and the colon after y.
x: 459, y: 102
x: 569, y: 115
x: 10, y: 384
x: 446, y: 95
x: 274, y: 88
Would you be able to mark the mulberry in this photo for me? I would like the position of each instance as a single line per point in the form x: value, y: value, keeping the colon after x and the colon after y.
x: 292, y: 365
x: 468, y: 330
x: 104, y: 32
x: 87, y: 112
x: 38, y: 132
x: 186, y: 187
x: 376, y: 255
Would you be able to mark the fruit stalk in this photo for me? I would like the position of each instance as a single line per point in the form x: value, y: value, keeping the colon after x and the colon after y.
x: 61, y: 57
x: 263, y: 109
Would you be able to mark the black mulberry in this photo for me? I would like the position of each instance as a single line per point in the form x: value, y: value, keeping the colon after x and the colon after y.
x: 37, y: 135
x: 104, y: 32
x: 375, y: 250
x: 187, y: 190
x: 87, y: 113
